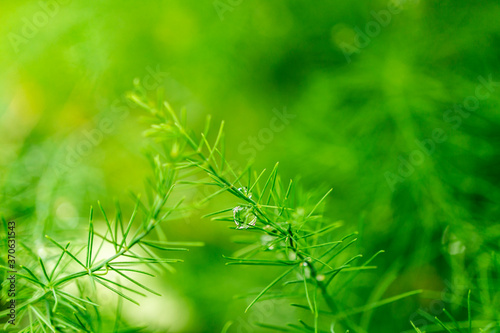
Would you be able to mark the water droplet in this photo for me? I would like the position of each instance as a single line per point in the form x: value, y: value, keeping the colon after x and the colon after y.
x: 244, y: 217
x: 306, y: 271
x: 245, y: 192
x: 320, y: 277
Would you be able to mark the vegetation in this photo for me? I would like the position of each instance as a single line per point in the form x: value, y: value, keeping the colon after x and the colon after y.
x: 381, y: 215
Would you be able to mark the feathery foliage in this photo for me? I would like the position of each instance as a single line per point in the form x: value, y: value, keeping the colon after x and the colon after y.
x: 60, y: 293
x: 285, y: 226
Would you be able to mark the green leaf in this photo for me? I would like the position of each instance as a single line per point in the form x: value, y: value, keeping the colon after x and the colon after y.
x: 268, y: 287
x: 66, y: 250
x: 119, y: 293
x: 90, y: 241
x: 42, y: 318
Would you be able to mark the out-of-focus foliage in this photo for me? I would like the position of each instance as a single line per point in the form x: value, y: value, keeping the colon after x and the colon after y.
x: 414, y: 178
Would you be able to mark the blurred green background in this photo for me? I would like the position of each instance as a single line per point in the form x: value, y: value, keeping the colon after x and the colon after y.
x: 361, y: 99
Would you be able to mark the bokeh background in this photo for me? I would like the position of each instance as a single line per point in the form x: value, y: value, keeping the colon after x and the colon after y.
x: 361, y: 102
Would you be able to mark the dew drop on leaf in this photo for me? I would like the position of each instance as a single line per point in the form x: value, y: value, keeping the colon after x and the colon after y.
x: 245, y: 192
x: 244, y: 217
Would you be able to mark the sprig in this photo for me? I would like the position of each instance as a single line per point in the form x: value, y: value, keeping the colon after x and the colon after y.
x: 53, y: 308
x: 296, y: 232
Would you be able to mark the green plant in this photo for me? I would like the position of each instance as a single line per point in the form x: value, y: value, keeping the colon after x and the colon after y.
x: 44, y: 297
x: 285, y: 225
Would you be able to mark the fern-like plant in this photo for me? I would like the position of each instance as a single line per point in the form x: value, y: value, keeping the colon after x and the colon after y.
x: 60, y: 293
x: 283, y: 226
